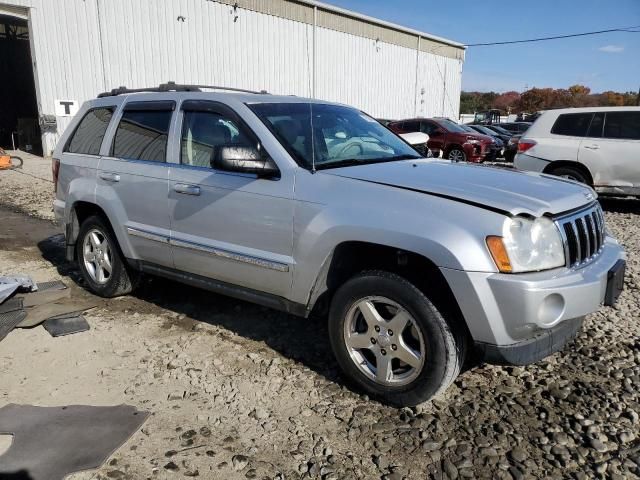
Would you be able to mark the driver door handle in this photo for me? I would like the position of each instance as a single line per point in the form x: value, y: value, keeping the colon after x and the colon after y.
x: 186, y: 189
x: 109, y: 177
x: 592, y: 147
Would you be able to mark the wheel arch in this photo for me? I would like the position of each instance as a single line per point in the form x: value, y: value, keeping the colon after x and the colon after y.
x: 352, y: 257
x: 549, y: 169
x: 81, y: 210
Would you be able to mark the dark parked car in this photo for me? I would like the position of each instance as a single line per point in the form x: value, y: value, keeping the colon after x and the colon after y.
x: 456, y: 143
x: 497, y: 145
x: 502, y: 133
x: 512, y: 148
x: 516, y: 127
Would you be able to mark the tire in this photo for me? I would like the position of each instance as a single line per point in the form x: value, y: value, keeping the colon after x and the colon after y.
x: 571, y: 173
x: 97, y: 250
x: 456, y: 154
x: 357, y: 344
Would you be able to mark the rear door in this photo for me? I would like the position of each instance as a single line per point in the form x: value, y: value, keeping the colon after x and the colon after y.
x: 232, y: 227
x: 133, y: 180
x: 611, y: 150
x: 565, y: 137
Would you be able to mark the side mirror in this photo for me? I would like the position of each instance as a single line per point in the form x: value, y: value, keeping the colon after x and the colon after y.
x: 244, y: 160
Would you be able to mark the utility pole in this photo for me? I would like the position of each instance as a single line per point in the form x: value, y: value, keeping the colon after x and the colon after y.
x: 638, y: 99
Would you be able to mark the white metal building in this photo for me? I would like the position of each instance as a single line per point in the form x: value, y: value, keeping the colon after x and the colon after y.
x: 80, y: 48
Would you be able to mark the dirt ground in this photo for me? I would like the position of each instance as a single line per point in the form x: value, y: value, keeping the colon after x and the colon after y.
x: 240, y: 391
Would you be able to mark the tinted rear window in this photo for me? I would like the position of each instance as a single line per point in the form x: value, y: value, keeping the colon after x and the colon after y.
x: 87, y: 138
x: 572, y: 124
x: 142, y: 135
x: 624, y: 125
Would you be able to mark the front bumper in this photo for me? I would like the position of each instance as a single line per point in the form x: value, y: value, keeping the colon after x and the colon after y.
x: 475, y: 152
x: 507, y: 311
x: 533, y: 349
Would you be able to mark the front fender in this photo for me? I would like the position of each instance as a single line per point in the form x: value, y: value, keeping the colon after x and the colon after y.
x: 450, y: 234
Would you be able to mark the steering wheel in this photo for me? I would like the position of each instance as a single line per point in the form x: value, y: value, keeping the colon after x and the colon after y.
x: 348, y: 146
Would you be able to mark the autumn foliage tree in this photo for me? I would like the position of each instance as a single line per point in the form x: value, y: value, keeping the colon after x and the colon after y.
x: 536, y: 99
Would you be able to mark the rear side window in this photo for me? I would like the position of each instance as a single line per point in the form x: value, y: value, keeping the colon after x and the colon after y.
x: 572, y: 124
x: 428, y: 128
x: 142, y: 135
x: 623, y: 125
x: 87, y: 138
x: 411, y: 126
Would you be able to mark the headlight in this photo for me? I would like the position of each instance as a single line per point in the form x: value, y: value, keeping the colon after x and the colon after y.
x: 527, y: 246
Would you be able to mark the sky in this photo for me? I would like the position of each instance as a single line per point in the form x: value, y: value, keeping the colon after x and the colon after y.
x: 601, y: 62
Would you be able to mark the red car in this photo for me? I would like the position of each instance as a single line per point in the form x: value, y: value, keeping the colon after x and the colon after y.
x: 448, y: 137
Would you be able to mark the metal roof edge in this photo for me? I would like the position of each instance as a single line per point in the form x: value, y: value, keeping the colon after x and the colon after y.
x: 383, y: 23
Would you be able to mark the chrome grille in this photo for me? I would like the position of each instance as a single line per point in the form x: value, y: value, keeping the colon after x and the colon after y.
x: 583, y: 235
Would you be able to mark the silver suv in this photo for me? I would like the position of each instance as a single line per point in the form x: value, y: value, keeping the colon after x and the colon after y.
x: 303, y: 205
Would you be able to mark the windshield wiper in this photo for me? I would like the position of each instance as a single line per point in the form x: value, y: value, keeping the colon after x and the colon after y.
x: 348, y: 162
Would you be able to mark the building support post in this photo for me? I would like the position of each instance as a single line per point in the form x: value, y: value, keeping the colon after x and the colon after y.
x: 314, y: 80
x: 415, y: 99
x: 444, y: 86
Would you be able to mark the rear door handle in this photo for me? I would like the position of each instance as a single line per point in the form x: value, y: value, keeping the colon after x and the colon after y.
x: 186, y: 189
x: 109, y: 177
x: 592, y: 147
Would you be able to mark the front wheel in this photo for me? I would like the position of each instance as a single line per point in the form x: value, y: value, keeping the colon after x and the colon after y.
x: 391, y: 340
x: 457, y: 154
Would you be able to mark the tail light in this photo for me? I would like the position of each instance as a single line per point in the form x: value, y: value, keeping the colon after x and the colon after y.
x: 524, y: 145
x: 55, y: 169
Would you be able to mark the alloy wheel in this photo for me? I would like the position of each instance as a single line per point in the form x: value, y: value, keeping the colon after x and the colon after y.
x: 97, y: 256
x: 456, y: 155
x: 384, y: 341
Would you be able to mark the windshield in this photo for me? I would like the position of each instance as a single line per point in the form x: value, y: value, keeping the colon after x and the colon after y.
x: 452, y: 126
x: 334, y: 136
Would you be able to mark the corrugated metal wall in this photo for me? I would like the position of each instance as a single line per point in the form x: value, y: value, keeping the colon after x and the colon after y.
x: 83, y: 47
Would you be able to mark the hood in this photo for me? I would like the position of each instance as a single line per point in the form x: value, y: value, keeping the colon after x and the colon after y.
x: 499, y: 189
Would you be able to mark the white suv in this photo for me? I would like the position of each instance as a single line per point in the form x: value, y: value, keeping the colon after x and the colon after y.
x: 596, y: 146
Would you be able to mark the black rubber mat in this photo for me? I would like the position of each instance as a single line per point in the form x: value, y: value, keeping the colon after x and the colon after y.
x: 58, y: 327
x: 52, y: 285
x: 50, y: 443
x: 11, y: 305
x: 9, y: 321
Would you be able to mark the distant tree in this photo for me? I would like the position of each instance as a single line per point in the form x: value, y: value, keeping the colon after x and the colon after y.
x: 579, y: 95
x: 507, y: 101
x: 611, y: 99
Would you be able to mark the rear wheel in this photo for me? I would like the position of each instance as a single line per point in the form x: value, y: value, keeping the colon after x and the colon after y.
x: 101, y: 262
x: 391, y: 340
x: 457, y: 154
x: 571, y: 173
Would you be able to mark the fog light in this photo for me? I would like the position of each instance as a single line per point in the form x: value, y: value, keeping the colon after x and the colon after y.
x: 551, y: 309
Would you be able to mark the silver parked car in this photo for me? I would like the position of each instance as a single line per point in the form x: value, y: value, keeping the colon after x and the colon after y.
x: 302, y: 205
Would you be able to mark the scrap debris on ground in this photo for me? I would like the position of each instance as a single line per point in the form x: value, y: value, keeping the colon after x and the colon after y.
x: 240, y: 391
x: 27, y: 304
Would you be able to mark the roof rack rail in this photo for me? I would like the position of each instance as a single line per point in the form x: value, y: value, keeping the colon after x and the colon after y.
x: 173, y: 87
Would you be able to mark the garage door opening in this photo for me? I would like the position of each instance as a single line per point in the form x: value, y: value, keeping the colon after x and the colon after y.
x: 19, y: 126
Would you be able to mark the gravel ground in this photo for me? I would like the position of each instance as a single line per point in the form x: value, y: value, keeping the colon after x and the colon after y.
x: 241, y: 391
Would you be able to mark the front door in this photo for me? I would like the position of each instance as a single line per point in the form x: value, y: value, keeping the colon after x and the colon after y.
x: 232, y: 227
